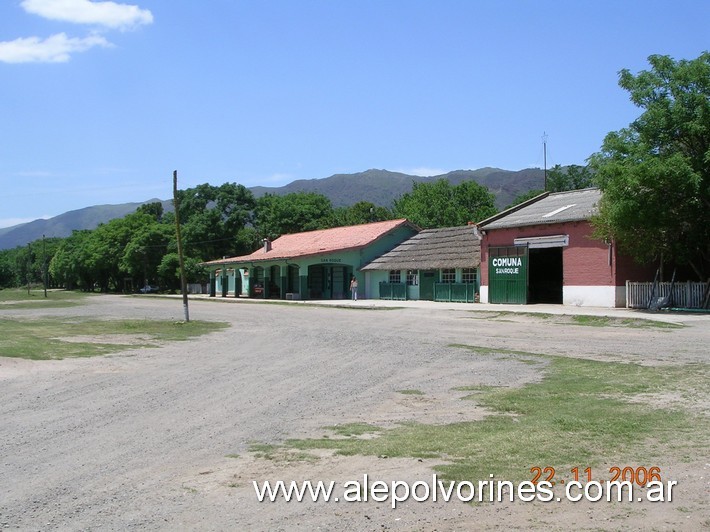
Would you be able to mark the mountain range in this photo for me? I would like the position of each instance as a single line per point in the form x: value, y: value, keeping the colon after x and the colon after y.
x: 380, y: 187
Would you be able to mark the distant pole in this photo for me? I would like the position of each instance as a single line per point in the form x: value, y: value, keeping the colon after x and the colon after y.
x: 44, y: 266
x: 29, y: 266
x: 183, y: 281
x: 544, y: 154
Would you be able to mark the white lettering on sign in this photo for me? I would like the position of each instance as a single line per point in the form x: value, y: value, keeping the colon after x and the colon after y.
x: 513, y: 271
x: 507, y: 261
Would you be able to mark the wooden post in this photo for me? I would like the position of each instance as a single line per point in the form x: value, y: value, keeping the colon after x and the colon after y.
x: 183, y: 281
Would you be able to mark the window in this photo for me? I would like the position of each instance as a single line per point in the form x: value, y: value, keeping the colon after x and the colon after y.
x: 448, y: 275
x: 468, y: 275
x: 412, y: 278
x: 395, y: 276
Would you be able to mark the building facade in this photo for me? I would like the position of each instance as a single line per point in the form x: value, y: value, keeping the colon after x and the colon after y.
x: 544, y: 251
x: 435, y: 265
x: 310, y: 265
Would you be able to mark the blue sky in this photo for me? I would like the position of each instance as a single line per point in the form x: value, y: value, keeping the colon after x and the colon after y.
x: 101, y: 101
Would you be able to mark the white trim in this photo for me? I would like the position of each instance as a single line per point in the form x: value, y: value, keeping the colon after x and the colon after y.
x: 536, y: 242
x: 590, y: 296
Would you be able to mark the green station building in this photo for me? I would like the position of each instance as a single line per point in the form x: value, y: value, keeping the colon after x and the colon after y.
x: 309, y: 265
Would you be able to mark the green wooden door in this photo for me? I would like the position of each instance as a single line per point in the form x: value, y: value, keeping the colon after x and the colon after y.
x: 508, y: 274
x: 427, y: 278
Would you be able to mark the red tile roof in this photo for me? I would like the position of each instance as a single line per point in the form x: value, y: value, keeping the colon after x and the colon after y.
x: 320, y: 242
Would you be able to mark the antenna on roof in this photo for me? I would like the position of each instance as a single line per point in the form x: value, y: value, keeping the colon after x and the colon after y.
x: 544, y: 155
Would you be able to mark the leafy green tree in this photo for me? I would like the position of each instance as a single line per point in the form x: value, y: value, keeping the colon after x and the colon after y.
x: 168, y: 271
x: 655, y: 174
x: 440, y: 204
x: 292, y: 213
x: 213, y: 219
x: 154, y: 209
x: 145, y: 250
x: 7, y: 273
x: 361, y: 212
x: 572, y: 177
x: 107, y: 245
x: 69, y: 266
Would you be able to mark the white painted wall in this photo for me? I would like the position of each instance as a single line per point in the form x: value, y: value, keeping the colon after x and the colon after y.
x: 484, y: 294
x: 590, y: 296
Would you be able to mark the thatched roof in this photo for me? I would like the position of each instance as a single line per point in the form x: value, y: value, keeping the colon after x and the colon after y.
x: 433, y: 249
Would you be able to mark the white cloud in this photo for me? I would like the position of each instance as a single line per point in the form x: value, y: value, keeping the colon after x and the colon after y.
x: 108, y: 14
x: 54, y: 49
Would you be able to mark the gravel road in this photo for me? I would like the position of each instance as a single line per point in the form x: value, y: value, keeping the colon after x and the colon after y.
x: 124, y: 441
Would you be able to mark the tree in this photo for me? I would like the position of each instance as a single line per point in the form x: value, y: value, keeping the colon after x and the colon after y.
x: 168, y: 271
x: 292, y: 213
x: 655, y: 174
x: 70, y: 264
x: 145, y: 250
x: 155, y: 209
x: 213, y: 219
x: 440, y: 204
x: 361, y: 212
x: 572, y: 177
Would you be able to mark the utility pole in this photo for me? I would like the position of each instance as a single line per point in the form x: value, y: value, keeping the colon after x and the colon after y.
x: 544, y: 154
x: 44, y: 266
x: 183, y: 281
x: 29, y: 266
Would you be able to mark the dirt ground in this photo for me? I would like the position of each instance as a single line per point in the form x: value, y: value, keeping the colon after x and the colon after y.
x: 159, y: 438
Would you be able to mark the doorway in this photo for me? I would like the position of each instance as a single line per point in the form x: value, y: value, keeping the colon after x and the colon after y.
x: 545, y: 275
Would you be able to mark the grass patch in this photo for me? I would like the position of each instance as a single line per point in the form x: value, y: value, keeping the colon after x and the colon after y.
x: 581, y: 414
x: 579, y: 319
x: 409, y: 391
x: 57, y: 338
x: 523, y: 356
x: 541, y: 315
x: 18, y: 298
x: 349, y: 430
x: 606, y: 321
x: 276, y: 453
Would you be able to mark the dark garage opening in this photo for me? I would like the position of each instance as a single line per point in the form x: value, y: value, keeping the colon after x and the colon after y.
x: 545, y: 276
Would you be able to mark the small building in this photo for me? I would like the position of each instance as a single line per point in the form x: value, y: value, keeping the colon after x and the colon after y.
x: 309, y: 265
x: 435, y: 265
x: 543, y: 251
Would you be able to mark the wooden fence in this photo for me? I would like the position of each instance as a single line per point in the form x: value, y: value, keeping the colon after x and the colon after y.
x: 396, y: 291
x: 685, y: 295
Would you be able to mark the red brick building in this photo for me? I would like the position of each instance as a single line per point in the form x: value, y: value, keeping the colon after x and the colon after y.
x: 543, y: 251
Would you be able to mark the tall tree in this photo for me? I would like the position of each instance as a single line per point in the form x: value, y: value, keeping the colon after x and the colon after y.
x: 441, y: 204
x: 572, y: 177
x: 292, y: 213
x: 70, y: 264
x: 213, y: 219
x: 655, y: 174
x: 361, y: 212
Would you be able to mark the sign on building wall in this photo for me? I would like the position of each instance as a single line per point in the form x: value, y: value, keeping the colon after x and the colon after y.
x: 508, y: 274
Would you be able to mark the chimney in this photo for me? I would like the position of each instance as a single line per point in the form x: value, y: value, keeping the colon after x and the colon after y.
x: 267, y: 245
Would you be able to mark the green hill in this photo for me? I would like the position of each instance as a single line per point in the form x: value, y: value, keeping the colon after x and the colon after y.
x: 380, y: 187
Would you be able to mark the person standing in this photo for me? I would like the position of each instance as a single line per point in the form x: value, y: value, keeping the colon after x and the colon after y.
x: 353, y: 288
